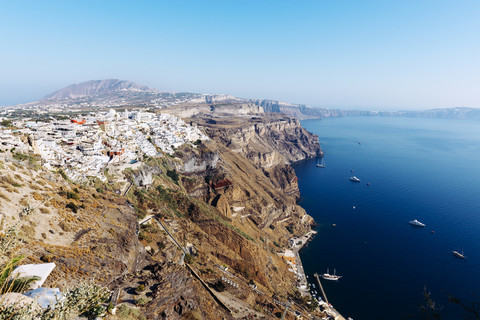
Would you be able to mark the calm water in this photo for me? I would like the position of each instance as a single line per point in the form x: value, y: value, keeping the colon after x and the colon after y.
x: 425, y: 169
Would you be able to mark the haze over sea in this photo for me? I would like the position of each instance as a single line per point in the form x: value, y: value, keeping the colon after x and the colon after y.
x: 425, y: 169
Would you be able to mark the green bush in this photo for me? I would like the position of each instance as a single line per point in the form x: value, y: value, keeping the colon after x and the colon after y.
x: 6, y: 123
x: 72, y: 206
x: 124, y: 312
x: 173, y: 175
x: 189, y: 258
x: 72, y: 195
x: 141, y: 301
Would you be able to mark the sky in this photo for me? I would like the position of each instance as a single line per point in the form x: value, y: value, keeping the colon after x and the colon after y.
x: 373, y: 55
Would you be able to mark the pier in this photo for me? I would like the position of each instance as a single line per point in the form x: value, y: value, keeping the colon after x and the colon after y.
x: 321, y: 288
x: 333, y: 312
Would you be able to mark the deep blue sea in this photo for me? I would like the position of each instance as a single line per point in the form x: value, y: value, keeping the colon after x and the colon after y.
x: 425, y: 169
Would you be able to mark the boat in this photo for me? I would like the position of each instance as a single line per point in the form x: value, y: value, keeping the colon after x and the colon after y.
x: 416, y: 223
x: 458, y: 254
x: 321, y: 164
x: 328, y: 276
x: 354, y: 179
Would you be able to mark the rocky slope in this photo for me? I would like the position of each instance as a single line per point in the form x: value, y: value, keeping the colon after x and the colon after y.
x: 229, y: 203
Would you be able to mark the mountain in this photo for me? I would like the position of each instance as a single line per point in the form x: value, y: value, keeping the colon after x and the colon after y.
x: 111, y: 93
x: 95, y: 87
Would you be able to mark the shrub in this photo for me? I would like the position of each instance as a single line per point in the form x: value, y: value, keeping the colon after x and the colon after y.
x: 161, y: 245
x: 63, y: 174
x: 6, y: 123
x: 189, y: 258
x: 125, y: 312
x: 72, y: 206
x: 72, y: 195
x: 173, y: 175
x: 141, y: 301
x: 46, y: 258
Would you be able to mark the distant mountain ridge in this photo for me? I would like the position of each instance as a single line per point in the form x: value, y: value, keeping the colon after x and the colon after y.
x: 115, y: 92
x: 95, y: 87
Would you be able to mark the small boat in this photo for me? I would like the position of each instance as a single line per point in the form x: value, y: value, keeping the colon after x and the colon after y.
x: 354, y: 207
x: 321, y: 164
x: 416, y: 223
x: 328, y: 276
x: 351, y: 170
x: 354, y: 179
x: 458, y: 254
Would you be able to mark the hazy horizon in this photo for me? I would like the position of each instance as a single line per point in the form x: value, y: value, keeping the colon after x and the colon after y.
x: 343, y: 55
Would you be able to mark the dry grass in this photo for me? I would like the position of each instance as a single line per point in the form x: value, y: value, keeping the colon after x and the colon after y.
x: 65, y: 226
x: 23, y: 202
x: 28, y: 230
x: 37, y: 196
x: 44, y: 210
x: 4, y: 197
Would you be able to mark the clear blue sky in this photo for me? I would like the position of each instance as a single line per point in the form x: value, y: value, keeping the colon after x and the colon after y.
x: 365, y: 54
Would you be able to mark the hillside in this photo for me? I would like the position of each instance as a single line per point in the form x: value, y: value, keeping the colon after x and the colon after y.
x: 229, y: 203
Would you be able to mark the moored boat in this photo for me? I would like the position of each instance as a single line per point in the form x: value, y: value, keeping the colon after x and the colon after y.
x: 458, y: 254
x: 328, y: 276
x: 416, y: 223
x: 321, y: 164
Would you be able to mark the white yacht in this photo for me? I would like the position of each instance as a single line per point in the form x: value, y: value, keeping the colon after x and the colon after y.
x: 321, y: 164
x: 354, y: 179
x: 416, y: 223
x: 328, y: 276
x: 458, y: 254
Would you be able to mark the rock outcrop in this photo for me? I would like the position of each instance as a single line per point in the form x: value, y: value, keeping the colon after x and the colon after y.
x: 267, y: 140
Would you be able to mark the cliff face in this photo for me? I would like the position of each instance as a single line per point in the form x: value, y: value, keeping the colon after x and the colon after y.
x: 191, y: 108
x: 230, y: 201
x: 267, y: 140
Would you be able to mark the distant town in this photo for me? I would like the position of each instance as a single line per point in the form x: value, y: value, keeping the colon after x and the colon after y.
x: 83, y: 146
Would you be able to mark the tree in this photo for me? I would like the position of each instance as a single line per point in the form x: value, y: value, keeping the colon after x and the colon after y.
x: 6, y: 123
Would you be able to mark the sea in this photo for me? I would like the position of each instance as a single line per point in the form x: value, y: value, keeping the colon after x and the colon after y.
x: 425, y: 169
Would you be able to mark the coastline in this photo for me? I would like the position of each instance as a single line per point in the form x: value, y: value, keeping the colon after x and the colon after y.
x: 296, y: 244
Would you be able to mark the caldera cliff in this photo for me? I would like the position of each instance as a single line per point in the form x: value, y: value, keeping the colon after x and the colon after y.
x: 214, y: 211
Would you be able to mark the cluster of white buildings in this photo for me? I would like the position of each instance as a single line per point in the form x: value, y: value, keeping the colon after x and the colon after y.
x: 83, y: 146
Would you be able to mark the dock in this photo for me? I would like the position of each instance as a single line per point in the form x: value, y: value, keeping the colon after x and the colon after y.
x: 333, y: 312
x: 321, y: 288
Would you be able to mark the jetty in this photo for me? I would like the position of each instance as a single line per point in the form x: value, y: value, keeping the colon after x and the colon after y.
x: 333, y: 312
x: 321, y: 288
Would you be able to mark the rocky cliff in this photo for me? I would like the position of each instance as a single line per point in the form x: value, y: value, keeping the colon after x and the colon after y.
x: 222, y: 209
x: 267, y: 140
